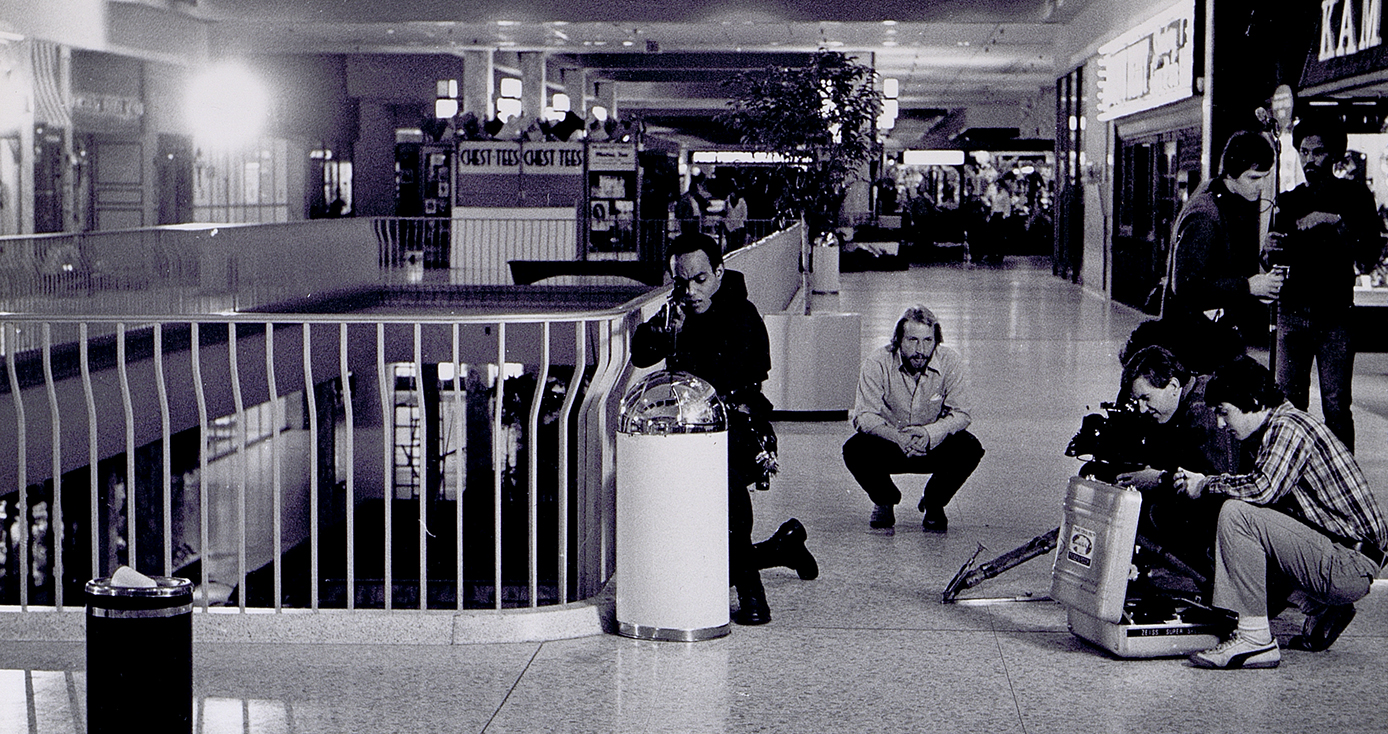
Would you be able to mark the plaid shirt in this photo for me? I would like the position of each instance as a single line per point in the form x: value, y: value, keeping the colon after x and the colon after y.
x: 1300, y: 463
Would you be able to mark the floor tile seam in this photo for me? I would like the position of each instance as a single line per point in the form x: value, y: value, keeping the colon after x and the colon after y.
x: 880, y: 629
x: 514, y: 685
x: 1006, y: 671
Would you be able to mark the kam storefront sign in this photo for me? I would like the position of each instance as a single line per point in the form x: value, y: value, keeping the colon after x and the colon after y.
x: 1350, y: 42
x: 1149, y: 66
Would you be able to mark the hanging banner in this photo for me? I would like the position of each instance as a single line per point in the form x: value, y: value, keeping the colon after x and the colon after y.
x: 1149, y: 66
x: 1350, y: 42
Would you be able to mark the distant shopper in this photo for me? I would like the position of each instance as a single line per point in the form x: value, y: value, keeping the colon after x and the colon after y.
x: 1303, y: 518
x: 1213, y: 283
x: 911, y: 414
x: 1324, y: 229
x: 735, y: 221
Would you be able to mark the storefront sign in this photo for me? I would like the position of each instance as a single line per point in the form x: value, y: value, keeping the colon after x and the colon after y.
x: 1149, y: 66
x: 488, y: 157
x: 552, y: 158
x: 1350, y: 41
x: 611, y: 157
x: 107, y: 107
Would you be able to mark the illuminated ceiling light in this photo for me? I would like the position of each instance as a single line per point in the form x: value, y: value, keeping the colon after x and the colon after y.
x: 560, y: 102
x: 511, y: 87
x: 628, y: 43
x: 890, y: 87
x: 227, y: 105
x: 445, y: 108
x: 599, y: 113
x: 507, y: 107
x: 505, y: 23
x: 888, y: 22
x: 890, y: 43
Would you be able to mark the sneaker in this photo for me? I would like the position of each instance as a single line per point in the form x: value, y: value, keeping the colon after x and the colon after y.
x: 934, y: 520
x: 1238, y: 652
x: 1321, y: 630
x: 883, y: 516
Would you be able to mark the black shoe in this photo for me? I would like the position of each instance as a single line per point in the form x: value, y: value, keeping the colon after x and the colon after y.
x: 751, y: 602
x: 934, y: 520
x: 1321, y: 630
x: 883, y: 516
x: 786, y: 548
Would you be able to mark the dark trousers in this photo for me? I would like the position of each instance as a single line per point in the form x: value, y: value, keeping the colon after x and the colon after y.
x: 1301, y: 338
x: 873, y: 460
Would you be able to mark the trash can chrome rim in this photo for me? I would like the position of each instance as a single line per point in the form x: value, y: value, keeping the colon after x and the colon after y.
x: 168, y: 587
x: 665, y: 634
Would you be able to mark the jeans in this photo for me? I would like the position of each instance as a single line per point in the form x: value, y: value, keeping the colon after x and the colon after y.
x: 872, y: 460
x: 1302, y: 337
x: 1258, y: 546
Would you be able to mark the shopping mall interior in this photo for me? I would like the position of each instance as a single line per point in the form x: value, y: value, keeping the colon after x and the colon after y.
x: 324, y: 309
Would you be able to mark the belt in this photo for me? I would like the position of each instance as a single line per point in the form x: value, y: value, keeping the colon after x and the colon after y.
x: 1370, y: 551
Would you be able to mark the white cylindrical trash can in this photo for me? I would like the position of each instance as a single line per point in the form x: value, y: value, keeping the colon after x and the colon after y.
x: 672, y: 511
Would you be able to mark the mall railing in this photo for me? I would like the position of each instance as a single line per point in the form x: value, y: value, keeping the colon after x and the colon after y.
x: 289, y: 461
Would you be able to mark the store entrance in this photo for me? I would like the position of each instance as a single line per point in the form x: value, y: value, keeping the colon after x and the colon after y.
x: 1155, y: 176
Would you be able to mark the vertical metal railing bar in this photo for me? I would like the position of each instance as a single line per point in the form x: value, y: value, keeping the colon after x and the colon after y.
x: 204, y: 542
x: 276, y: 482
x: 570, y: 397
x: 242, y: 461
x: 58, y: 529
x: 458, y: 463
x: 388, y: 476
x: 166, y: 452
x: 311, y: 403
x: 131, y: 522
x: 533, y: 448
x: 424, y: 467
x: 84, y: 355
x: 498, y: 455
x: 22, y: 466
x: 344, y: 374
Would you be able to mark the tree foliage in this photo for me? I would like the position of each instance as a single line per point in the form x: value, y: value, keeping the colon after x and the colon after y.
x: 820, y: 118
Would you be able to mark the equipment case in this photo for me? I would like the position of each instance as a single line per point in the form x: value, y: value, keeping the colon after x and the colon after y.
x: 1094, y: 554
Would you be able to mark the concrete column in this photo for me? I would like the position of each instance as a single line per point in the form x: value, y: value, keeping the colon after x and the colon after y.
x: 605, y: 94
x: 533, y: 93
x: 477, y: 83
x: 575, y: 85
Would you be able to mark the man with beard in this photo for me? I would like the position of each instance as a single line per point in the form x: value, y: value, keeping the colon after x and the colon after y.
x: 1324, y: 228
x: 713, y: 332
x: 911, y: 412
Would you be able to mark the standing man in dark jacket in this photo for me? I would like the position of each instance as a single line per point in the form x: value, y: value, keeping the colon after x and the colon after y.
x: 1325, y: 227
x: 1213, y: 281
x: 713, y: 332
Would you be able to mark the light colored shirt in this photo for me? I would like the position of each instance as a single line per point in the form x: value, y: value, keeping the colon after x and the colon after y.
x: 890, y: 399
x: 1300, y: 460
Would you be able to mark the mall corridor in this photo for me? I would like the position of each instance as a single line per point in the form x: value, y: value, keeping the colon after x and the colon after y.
x: 868, y: 646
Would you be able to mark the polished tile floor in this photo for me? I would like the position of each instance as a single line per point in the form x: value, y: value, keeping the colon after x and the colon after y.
x: 868, y: 646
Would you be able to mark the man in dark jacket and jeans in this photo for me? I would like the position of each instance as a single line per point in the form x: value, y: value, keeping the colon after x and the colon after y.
x: 1325, y: 227
x: 713, y: 332
x: 1213, y: 281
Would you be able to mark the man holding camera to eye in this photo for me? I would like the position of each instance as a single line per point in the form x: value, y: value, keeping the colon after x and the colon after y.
x: 1324, y: 229
x: 710, y: 330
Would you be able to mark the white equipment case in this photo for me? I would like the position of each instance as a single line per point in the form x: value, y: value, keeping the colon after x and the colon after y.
x: 1093, y: 562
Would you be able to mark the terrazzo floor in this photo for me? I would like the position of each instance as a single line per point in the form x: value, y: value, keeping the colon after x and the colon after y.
x: 868, y: 646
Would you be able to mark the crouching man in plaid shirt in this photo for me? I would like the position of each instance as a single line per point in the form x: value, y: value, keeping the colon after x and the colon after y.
x: 1303, y: 519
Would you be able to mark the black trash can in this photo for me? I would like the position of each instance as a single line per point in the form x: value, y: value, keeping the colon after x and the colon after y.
x: 140, y: 657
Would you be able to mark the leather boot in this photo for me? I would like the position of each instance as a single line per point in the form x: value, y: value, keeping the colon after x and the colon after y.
x: 787, y: 548
x: 751, y: 601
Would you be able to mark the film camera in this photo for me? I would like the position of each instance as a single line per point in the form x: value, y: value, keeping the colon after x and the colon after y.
x: 1111, y: 442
